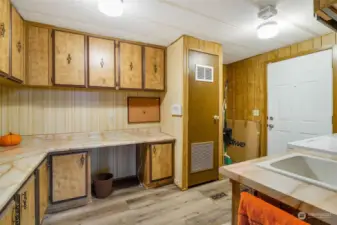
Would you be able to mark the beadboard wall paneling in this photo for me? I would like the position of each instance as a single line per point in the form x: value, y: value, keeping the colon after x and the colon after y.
x: 247, y: 81
x: 120, y: 161
x: 30, y: 111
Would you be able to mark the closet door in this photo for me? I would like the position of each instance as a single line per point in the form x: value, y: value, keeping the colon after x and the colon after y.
x: 4, y: 37
x: 17, y: 47
x: 101, y: 62
x: 130, y: 65
x: 69, y: 59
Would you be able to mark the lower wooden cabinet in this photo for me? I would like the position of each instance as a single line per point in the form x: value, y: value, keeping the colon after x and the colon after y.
x: 27, y: 202
x: 156, y: 162
x: 43, y: 183
x: 68, y: 176
x: 7, y: 217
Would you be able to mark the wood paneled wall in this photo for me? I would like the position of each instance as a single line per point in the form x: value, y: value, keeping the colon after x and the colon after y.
x: 30, y: 111
x: 247, y: 80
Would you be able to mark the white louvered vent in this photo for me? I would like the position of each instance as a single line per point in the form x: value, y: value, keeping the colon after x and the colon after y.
x: 201, y: 156
x: 204, y: 73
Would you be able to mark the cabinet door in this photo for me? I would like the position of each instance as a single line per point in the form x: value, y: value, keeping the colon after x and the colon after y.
x: 43, y: 189
x: 69, y: 57
x: 17, y: 46
x: 130, y: 63
x: 101, y: 62
x: 38, y: 56
x: 69, y: 176
x: 154, y: 68
x: 4, y: 37
x: 7, y: 217
x: 161, y: 161
x: 27, y: 202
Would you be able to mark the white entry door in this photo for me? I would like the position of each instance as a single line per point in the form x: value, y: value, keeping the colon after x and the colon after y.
x: 299, y: 99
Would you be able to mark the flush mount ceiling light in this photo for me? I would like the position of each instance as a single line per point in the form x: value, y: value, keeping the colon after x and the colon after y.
x: 267, y: 30
x: 113, y: 8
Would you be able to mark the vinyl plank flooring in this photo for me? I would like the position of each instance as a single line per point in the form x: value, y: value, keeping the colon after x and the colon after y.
x: 161, y: 206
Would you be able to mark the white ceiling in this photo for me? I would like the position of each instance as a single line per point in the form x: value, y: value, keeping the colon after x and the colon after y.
x: 230, y: 22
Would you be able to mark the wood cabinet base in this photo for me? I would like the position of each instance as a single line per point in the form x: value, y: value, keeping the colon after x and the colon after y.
x: 63, y: 206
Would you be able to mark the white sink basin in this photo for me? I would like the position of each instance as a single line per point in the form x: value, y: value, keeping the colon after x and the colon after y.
x: 314, y: 170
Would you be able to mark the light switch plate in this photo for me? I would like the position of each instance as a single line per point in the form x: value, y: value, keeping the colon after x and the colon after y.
x: 256, y: 112
x: 176, y: 110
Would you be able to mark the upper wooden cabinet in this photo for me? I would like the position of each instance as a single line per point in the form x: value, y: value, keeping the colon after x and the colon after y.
x: 130, y: 66
x: 7, y: 217
x: 27, y: 202
x: 69, y: 59
x: 326, y: 12
x: 154, y: 77
x: 4, y: 37
x: 17, y: 47
x: 68, y: 176
x: 38, y: 56
x: 101, y: 62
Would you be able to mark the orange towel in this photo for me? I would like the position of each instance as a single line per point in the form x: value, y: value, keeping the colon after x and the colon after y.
x: 254, y: 211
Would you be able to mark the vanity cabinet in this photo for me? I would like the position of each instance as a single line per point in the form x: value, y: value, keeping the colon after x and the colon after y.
x: 4, y: 37
x: 26, y: 197
x: 43, y: 184
x: 7, y: 217
x: 38, y: 41
x: 130, y: 66
x: 101, y: 62
x: 18, y: 47
x: 156, y: 161
x: 154, y: 62
x: 68, y: 176
x: 69, y: 59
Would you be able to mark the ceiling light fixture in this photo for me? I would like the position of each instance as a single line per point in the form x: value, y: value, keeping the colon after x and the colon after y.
x: 113, y: 8
x: 267, y: 30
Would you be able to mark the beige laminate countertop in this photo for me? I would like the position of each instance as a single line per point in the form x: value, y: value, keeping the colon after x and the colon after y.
x: 319, y: 202
x: 18, y: 163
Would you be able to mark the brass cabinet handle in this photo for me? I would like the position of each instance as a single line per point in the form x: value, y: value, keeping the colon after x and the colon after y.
x: 82, y: 160
x: 131, y: 66
x: 24, y: 200
x: 2, y: 30
x: 154, y: 150
x: 69, y: 58
x: 102, y: 63
x: 155, y: 68
x: 19, y: 46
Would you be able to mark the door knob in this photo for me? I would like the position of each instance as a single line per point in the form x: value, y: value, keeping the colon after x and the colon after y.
x: 216, y: 117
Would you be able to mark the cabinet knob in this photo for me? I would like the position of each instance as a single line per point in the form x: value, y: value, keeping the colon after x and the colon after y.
x: 82, y: 160
x: 102, y: 63
x: 19, y: 46
x: 154, y: 150
x: 131, y: 66
x: 24, y: 200
x: 155, y: 68
x: 69, y: 58
x: 2, y: 30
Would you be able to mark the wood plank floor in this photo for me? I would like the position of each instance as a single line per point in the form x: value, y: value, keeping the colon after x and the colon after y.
x: 165, y: 205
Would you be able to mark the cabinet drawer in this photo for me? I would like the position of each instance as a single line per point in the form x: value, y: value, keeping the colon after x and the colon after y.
x: 4, y: 37
x: 130, y: 66
x: 68, y: 176
x: 154, y: 76
x: 69, y: 58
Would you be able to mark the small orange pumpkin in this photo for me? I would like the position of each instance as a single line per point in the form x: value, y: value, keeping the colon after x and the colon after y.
x: 10, y: 139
